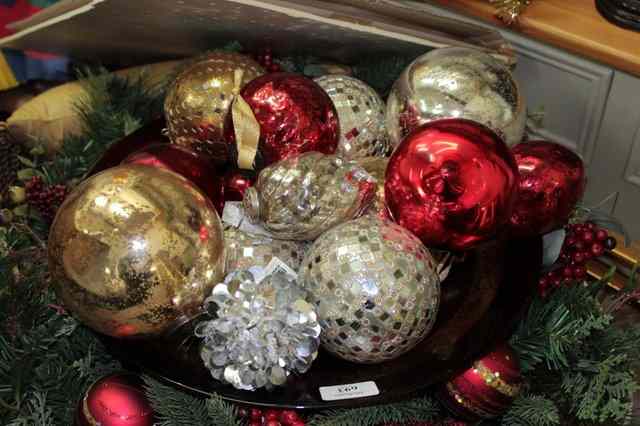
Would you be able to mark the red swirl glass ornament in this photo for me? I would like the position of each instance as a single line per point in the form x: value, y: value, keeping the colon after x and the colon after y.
x: 452, y: 183
x: 115, y: 400
x: 487, y: 389
x: 295, y: 116
x: 197, y: 168
x: 552, y: 181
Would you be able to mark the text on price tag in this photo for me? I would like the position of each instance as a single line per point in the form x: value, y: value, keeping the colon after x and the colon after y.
x: 348, y: 391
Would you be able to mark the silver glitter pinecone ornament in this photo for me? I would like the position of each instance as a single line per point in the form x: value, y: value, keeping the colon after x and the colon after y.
x: 301, y: 197
x: 264, y: 330
x: 244, y: 250
x: 361, y: 115
x: 375, y: 289
x: 456, y: 82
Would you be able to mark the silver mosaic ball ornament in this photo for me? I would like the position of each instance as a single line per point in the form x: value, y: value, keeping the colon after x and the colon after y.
x: 244, y: 250
x: 361, y: 115
x: 263, y: 329
x: 456, y: 82
x: 375, y: 288
x: 301, y: 197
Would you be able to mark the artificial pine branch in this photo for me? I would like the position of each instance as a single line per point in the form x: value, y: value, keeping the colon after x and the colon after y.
x: 531, y: 410
x: 416, y: 410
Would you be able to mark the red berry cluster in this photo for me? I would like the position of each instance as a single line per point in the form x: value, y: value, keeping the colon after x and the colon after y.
x: 270, y: 417
x: 583, y: 242
x: 265, y: 58
x: 45, y: 199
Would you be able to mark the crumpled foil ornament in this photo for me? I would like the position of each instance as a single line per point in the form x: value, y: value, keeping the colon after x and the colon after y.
x: 375, y: 288
x: 300, y: 198
x: 456, y: 82
x: 361, y: 115
x: 263, y: 330
x: 244, y: 250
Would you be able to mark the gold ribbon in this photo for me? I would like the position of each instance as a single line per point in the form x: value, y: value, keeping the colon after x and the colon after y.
x: 245, y: 126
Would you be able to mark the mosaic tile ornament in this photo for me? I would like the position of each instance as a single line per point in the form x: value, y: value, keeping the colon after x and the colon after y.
x: 300, y: 198
x: 264, y: 330
x: 361, y: 114
x: 456, y: 82
x: 244, y: 250
x: 198, y: 100
x: 375, y: 288
x: 134, y: 250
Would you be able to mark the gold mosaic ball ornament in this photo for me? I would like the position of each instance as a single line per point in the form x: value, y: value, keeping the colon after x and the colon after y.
x: 244, y: 250
x: 456, y: 82
x: 375, y: 289
x: 135, y: 250
x: 200, y: 97
x: 361, y: 114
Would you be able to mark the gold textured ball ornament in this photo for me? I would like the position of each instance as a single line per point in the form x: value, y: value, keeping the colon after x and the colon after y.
x: 200, y: 97
x: 456, y: 82
x: 135, y: 250
x: 375, y: 289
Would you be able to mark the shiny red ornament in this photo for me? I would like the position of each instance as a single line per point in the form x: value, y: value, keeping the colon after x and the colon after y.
x: 115, y: 400
x: 236, y: 182
x: 487, y: 389
x: 452, y: 183
x: 197, y: 168
x: 295, y: 116
x: 150, y: 134
x: 552, y: 181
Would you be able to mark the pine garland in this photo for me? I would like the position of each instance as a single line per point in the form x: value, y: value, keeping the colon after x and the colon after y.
x: 578, y: 365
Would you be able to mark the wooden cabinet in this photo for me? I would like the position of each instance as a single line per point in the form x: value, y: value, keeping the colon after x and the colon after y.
x: 589, y: 107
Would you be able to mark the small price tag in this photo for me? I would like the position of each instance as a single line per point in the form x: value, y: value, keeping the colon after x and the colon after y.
x: 233, y: 215
x: 349, y: 391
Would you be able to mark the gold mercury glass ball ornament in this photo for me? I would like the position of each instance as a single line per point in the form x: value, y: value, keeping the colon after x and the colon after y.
x: 456, y: 82
x: 198, y: 100
x: 361, y: 114
x: 135, y: 250
x: 375, y: 289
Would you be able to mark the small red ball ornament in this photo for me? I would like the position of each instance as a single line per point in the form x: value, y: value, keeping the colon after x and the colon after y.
x: 452, y: 183
x: 485, y: 390
x: 552, y: 181
x: 294, y: 114
x: 197, y: 168
x: 236, y: 182
x: 115, y: 400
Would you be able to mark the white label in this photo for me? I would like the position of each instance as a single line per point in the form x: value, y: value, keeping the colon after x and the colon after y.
x: 349, y: 391
x: 233, y: 214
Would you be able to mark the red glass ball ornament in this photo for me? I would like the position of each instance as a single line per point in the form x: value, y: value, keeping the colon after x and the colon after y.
x: 236, y: 182
x: 597, y: 249
x: 289, y: 417
x: 579, y: 272
x: 487, y: 389
x: 197, y: 168
x: 587, y: 236
x: 601, y: 235
x: 552, y: 181
x: 452, y: 183
x: 115, y: 400
x: 295, y: 116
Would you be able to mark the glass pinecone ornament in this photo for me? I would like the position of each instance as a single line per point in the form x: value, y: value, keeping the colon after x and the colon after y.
x: 375, y: 288
x: 301, y: 197
x: 9, y: 162
x: 361, y: 115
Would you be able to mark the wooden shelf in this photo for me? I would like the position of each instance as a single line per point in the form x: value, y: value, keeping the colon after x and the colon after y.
x: 573, y: 25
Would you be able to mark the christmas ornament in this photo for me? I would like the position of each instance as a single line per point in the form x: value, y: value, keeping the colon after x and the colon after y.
x: 265, y: 59
x: 360, y: 114
x: 115, y: 400
x: 244, y: 250
x: 263, y: 331
x: 293, y: 115
x: 375, y: 289
x: 236, y: 182
x: 147, y: 135
x: 200, y: 97
x: 300, y: 198
x: 134, y: 250
x: 509, y: 10
x: 376, y: 167
x: 257, y: 417
x: 46, y: 199
x: 197, y: 168
x: 456, y: 82
x: 452, y: 183
x: 487, y: 389
x: 9, y: 162
x: 552, y: 181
